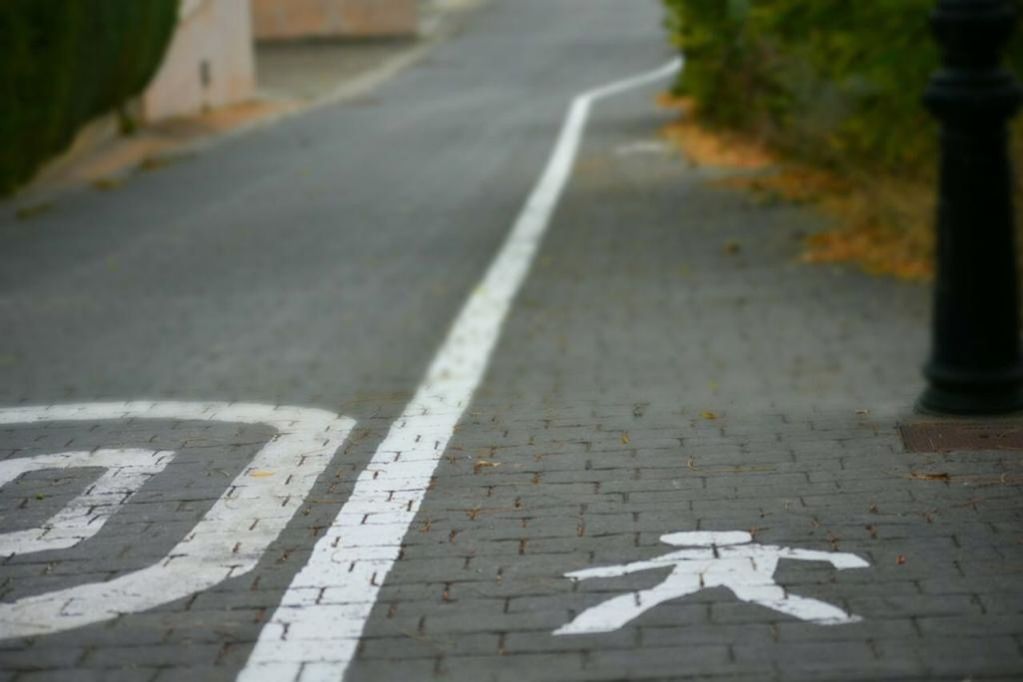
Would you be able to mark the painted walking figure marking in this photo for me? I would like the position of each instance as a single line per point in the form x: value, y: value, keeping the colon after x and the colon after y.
x: 718, y: 559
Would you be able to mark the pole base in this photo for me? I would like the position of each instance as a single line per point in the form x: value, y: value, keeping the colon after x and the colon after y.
x: 973, y: 400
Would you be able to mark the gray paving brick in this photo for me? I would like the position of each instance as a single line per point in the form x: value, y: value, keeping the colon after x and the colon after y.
x: 130, y: 674
x: 41, y: 658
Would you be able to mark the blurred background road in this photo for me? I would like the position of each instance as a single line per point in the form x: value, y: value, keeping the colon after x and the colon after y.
x: 319, y: 261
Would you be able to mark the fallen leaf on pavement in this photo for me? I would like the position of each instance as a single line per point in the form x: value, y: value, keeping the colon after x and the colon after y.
x: 106, y: 184
x: 921, y: 476
x: 484, y: 464
x: 27, y: 212
x: 260, y: 474
x: 152, y: 163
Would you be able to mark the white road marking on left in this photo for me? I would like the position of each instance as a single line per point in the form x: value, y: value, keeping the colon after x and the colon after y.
x: 322, y: 615
x: 714, y: 559
x: 642, y: 147
x: 126, y: 471
x: 227, y: 542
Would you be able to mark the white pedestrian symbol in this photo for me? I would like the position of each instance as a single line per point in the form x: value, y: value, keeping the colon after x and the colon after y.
x: 718, y: 559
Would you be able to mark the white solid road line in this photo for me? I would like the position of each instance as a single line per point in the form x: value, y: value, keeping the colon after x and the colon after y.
x: 227, y: 542
x: 315, y: 630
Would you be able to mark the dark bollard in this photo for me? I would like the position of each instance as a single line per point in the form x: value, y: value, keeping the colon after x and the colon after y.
x: 975, y: 365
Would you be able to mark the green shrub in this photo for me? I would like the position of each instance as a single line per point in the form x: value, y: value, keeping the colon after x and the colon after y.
x: 65, y: 62
x: 836, y: 82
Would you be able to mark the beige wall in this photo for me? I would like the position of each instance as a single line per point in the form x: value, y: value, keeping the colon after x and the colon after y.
x: 217, y: 33
x: 296, y: 19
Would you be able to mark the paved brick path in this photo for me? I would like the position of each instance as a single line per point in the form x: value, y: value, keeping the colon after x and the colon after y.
x: 648, y: 381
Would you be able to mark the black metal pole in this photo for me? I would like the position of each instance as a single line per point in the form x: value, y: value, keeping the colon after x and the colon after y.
x: 975, y: 365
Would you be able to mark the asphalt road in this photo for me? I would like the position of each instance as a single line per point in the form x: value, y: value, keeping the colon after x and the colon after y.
x: 318, y: 262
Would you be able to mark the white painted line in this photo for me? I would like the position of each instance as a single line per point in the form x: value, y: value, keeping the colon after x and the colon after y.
x: 315, y: 630
x: 126, y: 471
x: 252, y: 512
x: 727, y: 559
x: 643, y: 147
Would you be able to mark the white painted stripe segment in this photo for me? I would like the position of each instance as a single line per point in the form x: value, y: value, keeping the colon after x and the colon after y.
x: 315, y: 630
x: 84, y: 516
x: 227, y: 542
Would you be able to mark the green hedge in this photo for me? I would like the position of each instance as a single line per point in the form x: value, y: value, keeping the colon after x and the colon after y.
x: 832, y: 81
x: 65, y: 62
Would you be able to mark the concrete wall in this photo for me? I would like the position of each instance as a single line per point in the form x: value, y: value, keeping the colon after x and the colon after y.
x: 209, y: 63
x: 297, y: 19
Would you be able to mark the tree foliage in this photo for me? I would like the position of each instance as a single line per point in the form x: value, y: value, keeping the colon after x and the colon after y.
x: 835, y: 81
x: 67, y: 61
